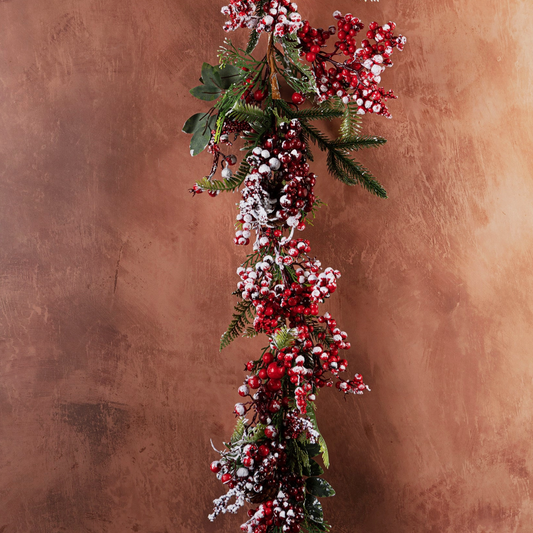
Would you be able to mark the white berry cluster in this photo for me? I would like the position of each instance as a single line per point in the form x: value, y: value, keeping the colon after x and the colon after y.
x: 281, y: 17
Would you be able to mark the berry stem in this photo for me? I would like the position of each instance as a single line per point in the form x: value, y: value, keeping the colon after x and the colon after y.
x: 274, y: 85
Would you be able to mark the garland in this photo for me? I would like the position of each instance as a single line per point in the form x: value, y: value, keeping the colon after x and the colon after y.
x: 269, y: 460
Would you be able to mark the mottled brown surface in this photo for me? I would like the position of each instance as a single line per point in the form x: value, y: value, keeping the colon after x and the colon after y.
x: 115, y: 283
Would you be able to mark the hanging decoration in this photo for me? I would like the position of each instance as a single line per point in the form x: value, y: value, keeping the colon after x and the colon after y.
x: 269, y: 461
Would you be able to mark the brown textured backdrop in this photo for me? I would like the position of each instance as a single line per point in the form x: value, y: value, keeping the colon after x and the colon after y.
x: 115, y: 283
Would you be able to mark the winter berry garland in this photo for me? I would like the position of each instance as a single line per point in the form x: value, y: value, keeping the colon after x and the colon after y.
x: 269, y: 460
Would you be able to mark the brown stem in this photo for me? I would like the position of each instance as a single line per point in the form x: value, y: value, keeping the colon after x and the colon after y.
x: 274, y: 85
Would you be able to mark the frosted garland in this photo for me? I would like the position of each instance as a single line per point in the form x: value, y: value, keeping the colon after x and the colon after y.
x: 269, y: 460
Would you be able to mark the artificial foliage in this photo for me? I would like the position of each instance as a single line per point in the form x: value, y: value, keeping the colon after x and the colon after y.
x: 270, y: 460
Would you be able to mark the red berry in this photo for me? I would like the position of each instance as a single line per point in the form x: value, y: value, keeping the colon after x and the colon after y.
x: 298, y: 98
x: 274, y: 385
x: 259, y: 95
x: 310, y: 57
x: 225, y: 478
x: 215, y: 467
x: 275, y: 372
x: 263, y: 450
x: 254, y: 382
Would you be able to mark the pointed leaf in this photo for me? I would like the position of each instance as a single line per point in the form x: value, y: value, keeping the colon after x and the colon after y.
x: 313, y: 508
x: 229, y: 75
x: 206, y: 92
x: 211, y: 75
x: 195, y: 122
x: 199, y: 141
x: 313, y: 449
x: 319, y: 487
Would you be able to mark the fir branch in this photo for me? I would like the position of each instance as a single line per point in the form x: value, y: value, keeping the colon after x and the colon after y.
x: 349, y: 144
x: 242, y: 112
x: 241, y: 319
x: 227, y: 184
x: 348, y: 171
x: 351, y: 122
x: 238, y: 432
x: 231, y: 55
x: 313, y: 113
x: 250, y: 333
x: 252, y: 42
x: 341, y: 166
x: 293, y: 67
x: 284, y: 338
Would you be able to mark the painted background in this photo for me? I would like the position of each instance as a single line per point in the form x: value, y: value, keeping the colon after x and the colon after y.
x: 115, y: 283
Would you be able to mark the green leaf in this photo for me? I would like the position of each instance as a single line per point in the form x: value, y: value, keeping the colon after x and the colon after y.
x: 200, y: 140
x: 228, y: 76
x: 319, y: 487
x: 211, y: 75
x: 313, y: 449
x: 313, y: 508
x: 297, y: 457
x: 316, y: 469
x: 323, y: 447
x: 206, y: 92
x: 195, y: 122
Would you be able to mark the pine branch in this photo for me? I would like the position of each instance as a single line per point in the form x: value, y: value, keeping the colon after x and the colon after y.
x: 242, y: 112
x: 241, y: 319
x: 293, y: 67
x: 231, y: 55
x: 252, y: 42
x: 351, y: 122
x: 348, y: 171
x: 228, y: 184
x: 341, y: 166
x: 238, y: 432
x: 349, y: 144
x: 313, y: 113
x: 283, y: 338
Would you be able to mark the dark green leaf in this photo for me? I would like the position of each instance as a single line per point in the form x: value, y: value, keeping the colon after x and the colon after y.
x: 199, y: 141
x: 315, y: 469
x: 206, y: 92
x: 228, y: 76
x: 199, y: 121
x: 211, y: 75
x: 313, y: 508
x: 319, y: 487
x: 313, y: 449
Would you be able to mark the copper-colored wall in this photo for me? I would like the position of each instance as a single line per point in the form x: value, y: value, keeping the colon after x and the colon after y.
x: 115, y: 283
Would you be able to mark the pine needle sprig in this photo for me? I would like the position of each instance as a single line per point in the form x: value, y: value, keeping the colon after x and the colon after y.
x: 351, y: 173
x: 341, y: 166
x: 242, y: 112
x: 241, y: 318
x: 229, y: 54
x: 228, y: 184
x: 351, y: 122
x: 349, y: 144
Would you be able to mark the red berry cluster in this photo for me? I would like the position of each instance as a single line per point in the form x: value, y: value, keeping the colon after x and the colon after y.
x: 241, y: 13
x: 356, y: 78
